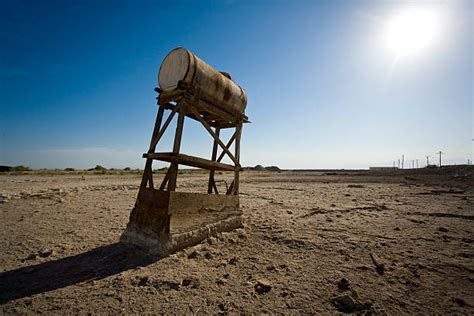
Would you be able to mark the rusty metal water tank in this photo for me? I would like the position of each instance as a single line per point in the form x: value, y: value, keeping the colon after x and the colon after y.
x: 182, y: 65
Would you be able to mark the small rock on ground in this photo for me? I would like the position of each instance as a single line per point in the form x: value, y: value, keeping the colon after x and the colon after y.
x: 344, y: 303
x: 343, y: 284
x: 263, y: 286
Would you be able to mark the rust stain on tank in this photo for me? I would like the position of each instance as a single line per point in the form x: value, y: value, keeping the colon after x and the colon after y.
x: 182, y: 65
x: 227, y: 94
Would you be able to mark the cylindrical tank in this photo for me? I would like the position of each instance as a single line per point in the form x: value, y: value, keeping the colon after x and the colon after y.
x: 182, y: 65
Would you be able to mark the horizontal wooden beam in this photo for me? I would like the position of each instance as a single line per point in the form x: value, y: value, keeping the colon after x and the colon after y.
x: 191, y: 161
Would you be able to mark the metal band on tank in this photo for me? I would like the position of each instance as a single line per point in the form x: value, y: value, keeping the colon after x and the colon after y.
x: 195, y: 68
x: 188, y: 53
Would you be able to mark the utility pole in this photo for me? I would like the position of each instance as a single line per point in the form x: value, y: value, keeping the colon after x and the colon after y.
x: 427, y: 160
x: 398, y: 163
x: 417, y: 164
x: 403, y: 161
x: 440, y: 153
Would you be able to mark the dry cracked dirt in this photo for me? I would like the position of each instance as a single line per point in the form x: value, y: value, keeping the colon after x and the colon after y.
x: 312, y: 243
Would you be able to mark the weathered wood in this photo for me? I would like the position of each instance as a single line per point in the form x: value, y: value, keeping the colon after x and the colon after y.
x: 202, y: 105
x: 176, y: 146
x: 209, y: 108
x: 229, y: 143
x: 147, y: 172
x: 165, y: 180
x: 169, y: 96
x: 215, y: 186
x: 238, y: 132
x: 150, y: 214
x: 214, y: 116
x: 191, y: 161
x: 158, y: 136
x: 230, y: 188
x: 213, y: 158
x: 208, y: 128
x: 165, y: 220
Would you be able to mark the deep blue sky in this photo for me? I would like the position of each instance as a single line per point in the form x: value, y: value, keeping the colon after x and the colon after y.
x: 77, y: 79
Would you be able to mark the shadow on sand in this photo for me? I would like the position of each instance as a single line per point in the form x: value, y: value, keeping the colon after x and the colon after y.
x: 95, y: 264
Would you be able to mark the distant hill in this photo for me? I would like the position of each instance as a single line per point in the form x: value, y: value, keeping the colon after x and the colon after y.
x: 262, y: 168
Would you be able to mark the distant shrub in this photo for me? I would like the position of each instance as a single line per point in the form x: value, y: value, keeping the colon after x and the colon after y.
x: 99, y: 168
x: 126, y: 168
x: 69, y: 169
x: 21, y: 168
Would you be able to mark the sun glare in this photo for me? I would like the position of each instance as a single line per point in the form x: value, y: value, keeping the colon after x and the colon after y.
x: 412, y: 31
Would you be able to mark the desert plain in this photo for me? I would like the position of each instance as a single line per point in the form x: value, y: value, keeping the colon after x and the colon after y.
x: 313, y: 242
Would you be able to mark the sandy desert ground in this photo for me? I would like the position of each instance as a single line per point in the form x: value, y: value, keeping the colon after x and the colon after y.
x: 313, y: 242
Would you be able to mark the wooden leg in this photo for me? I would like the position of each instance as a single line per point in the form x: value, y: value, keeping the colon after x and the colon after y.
x: 177, y: 143
x: 165, y: 180
x: 211, y: 183
x: 238, y: 132
x: 147, y: 172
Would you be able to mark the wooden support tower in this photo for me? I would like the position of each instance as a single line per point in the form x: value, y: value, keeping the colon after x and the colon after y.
x: 165, y: 220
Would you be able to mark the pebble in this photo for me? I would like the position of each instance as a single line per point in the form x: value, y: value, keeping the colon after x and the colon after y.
x: 272, y: 268
x: 233, y: 261
x: 191, y: 282
x: 344, y: 303
x: 31, y: 257
x: 343, y: 284
x: 4, y: 198
x: 379, y: 265
x: 460, y: 301
x: 45, y: 253
x: 212, y: 240
x: 242, y: 234
x: 263, y: 286
x: 285, y: 266
x: 142, y: 280
x: 193, y: 255
x: 221, y: 281
x: 208, y: 255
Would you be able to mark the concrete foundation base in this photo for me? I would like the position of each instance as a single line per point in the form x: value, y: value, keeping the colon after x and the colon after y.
x: 164, y: 222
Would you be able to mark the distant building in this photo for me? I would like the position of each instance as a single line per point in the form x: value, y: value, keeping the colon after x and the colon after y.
x: 383, y: 168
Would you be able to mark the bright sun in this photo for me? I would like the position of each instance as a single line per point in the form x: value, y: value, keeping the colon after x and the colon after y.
x: 412, y: 31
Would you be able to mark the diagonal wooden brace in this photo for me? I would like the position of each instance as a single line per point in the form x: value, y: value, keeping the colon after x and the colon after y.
x: 208, y: 128
x: 229, y: 143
